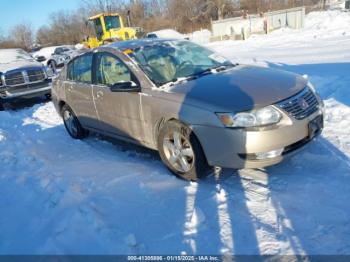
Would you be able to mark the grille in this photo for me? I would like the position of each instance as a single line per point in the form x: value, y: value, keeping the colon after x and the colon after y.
x: 301, y: 105
x: 15, y: 78
x: 36, y: 75
x: 25, y: 87
x: 19, y: 78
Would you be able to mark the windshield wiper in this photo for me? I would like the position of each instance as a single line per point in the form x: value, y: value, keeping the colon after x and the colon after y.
x: 198, y: 74
x: 173, y: 81
x: 223, y: 67
x: 210, y: 70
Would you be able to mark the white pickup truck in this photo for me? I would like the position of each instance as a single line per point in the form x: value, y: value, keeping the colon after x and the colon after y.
x: 22, y: 77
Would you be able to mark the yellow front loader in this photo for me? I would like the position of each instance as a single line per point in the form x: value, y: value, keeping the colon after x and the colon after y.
x: 108, y: 28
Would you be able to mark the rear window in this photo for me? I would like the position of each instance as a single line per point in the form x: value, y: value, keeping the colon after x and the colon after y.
x: 79, y: 69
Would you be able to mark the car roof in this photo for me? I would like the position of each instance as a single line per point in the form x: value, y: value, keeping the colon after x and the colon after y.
x: 134, y: 44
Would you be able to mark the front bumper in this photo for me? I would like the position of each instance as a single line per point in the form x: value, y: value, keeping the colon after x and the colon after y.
x: 232, y: 148
x: 28, y: 92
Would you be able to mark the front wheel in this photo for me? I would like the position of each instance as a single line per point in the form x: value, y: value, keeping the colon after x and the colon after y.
x: 71, y: 122
x: 181, y: 151
x: 53, y: 66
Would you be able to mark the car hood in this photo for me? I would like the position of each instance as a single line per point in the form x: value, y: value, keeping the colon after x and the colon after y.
x: 239, y: 89
x: 71, y: 53
x: 19, y: 65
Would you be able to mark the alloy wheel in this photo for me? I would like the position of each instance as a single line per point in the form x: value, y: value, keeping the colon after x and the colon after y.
x: 178, y: 151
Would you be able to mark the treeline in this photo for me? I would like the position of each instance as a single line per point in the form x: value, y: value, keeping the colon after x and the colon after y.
x: 183, y: 15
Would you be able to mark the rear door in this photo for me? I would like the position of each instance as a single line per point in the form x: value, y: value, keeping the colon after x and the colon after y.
x: 119, y: 112
x: 78, y: 89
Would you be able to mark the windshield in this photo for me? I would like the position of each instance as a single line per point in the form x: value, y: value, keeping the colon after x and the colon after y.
x: 63, y: 49
x: 112, y: 22
x: 167, y: 61
x: 14, y: 55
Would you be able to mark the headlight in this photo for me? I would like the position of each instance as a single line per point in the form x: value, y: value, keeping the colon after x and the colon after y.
x: 261, y: 117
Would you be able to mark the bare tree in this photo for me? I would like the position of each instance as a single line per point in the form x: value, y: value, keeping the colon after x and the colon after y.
x: 2, y: 36
x: 22, y: 35
x: 64, y: 28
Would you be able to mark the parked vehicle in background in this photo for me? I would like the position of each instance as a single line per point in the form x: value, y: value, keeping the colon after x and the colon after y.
x: 22, y: 77
x: 55, y: 56
x: 167, y: 33
x: 192, y: 105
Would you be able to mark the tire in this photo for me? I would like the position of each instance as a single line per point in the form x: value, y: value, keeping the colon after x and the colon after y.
x: 52, y: 64
x: 2, y: 108
x: 178, y: 145
x: 71, y: 123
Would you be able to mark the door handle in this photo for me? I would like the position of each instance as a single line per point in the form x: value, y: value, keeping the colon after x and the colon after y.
x: 99, y: 94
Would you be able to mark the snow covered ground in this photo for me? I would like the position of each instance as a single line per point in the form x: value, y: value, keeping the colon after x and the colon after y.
x: 59, y: 196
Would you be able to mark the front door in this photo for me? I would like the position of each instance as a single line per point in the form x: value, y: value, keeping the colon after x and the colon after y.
x: 119, y: 112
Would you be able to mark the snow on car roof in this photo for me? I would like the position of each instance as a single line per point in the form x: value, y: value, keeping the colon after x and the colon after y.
x: 46, y: 51
x: 133, y: 44
x: 13, y: 55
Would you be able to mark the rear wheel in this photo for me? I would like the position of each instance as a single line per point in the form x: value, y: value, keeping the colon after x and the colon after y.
x: 181, y: 151
x: 71, y: 122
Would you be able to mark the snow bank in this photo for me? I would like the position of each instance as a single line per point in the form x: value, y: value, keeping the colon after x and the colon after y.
x: 168, y: 33
x: 79, y: 46
x: 201, y: 37
x: 12, y: 55
x: 318, y: 42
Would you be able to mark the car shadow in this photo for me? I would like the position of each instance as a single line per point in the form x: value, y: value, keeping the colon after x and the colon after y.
x: 304, y: 198
x: 25, y: 103
x: 224, y: 223
x: 330, y: 79
x: 309, y: 193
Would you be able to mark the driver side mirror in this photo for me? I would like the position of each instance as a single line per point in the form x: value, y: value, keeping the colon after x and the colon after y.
x: 128, y: 86
x: 40, y: 58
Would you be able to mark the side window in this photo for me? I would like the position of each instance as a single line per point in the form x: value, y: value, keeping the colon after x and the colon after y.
x: 111, y: 70
x: 80, y: 69
x: 70, y: 70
